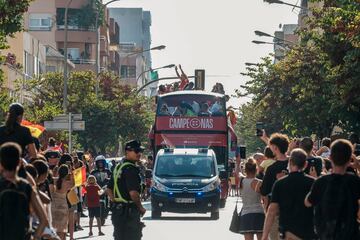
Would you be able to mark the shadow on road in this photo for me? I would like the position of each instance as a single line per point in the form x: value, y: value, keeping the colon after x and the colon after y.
x: 179, y: 219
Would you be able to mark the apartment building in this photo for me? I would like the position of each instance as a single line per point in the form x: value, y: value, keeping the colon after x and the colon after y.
x: 135, y: 36
x: 304, y: 13
x: 114, y: 48
x: 45, y: 20
x: 26, y: 58
x: 284, y: 39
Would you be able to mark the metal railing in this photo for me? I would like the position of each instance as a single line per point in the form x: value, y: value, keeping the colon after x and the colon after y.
x: 77, y: 28
x: 82, y: 61
x: 40, y: 28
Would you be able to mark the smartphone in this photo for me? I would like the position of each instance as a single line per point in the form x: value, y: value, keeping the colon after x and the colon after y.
x: 259, y: 129
x: 242, y: 151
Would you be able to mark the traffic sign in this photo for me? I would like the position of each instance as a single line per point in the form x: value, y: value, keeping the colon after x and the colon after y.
x: 65, y: 117
x: 199, y: 79
x: 64, y: 125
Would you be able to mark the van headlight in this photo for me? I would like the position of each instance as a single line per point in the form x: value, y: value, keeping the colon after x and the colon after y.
x: 159, y: 186
x: 211, y: 187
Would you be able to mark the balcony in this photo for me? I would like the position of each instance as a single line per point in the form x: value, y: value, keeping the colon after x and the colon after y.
x: 74, y: 4
x: 40, y: 28
x: 84, y: 65
x: 83, y: 61
x: 76, y: 34
x: 104, y: 46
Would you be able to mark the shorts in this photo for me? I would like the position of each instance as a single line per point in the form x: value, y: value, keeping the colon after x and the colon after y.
x: 94, y: 212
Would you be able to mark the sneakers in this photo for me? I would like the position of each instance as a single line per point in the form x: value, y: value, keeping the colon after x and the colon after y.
x: 90, y: 233
x: 49, y: 233
x: 101, y: 234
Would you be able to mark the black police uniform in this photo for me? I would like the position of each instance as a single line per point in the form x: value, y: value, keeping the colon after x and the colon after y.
x: 126, y: 216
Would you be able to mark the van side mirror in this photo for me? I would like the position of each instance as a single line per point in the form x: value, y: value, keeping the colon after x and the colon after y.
x: 223, y: 174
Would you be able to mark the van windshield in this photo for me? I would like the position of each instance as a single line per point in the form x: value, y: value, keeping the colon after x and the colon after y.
x: 185, y: 166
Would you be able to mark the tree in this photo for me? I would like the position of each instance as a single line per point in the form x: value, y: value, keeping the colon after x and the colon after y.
x: 117, y: 115
x: 315, y: 86
x: 11, y: 15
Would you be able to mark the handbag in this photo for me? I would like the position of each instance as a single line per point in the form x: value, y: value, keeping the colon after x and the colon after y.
x: 72, y: 197
x: 235, y: 220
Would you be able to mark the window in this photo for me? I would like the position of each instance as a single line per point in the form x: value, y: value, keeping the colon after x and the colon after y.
x: 36, y: 65
x: 40, y: 22
x: 50, y: 68
x: 128, y: 71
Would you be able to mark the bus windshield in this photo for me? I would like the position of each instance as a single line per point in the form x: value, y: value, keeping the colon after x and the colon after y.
x: 191, y: 105
x: 185, y: 166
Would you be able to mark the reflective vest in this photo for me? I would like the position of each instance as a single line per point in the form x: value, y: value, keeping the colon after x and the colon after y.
x: 117, y: 173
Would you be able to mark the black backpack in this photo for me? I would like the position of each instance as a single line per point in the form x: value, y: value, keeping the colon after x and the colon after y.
x: 14, y: 211
x: 334, y: 216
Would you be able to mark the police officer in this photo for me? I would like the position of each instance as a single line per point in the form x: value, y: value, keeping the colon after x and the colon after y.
x: 124, y: 191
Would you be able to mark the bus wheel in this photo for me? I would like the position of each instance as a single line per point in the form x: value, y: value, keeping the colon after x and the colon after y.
x: 155, y: 214
x: 214, y: 215
x: 222, y: 203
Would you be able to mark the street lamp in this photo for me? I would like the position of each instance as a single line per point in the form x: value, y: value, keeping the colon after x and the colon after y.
x: 161, y: 47
x: 263, y: 34
x: 262, y: 42
x: 65, y: 56
x: 282, y: 45
x: 285, y: 3
x: 252, y: 64
x: 152, y: 69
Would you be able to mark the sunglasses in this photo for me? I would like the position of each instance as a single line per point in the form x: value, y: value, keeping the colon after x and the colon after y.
x: 136, y: 150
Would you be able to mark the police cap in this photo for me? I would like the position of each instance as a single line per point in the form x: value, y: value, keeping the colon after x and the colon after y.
x: 134, y: 145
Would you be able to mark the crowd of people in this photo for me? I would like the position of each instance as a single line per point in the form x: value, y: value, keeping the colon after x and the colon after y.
x: 185, y: 84
x: 39, y: 197
x: 294, y: 190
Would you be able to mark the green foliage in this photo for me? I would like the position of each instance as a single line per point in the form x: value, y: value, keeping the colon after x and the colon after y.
x: 85, y: 17
x: 118, y: 114
x: 246, y: 127
x: 316, y: 85
x: 11, y: 16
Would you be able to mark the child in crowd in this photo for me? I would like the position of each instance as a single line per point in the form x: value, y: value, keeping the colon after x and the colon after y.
x: 93, y: 201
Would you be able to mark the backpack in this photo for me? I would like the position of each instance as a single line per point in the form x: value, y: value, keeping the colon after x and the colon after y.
x: 334, y: 216
x: 14, y: 211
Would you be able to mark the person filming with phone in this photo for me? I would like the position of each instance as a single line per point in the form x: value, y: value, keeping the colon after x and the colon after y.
x: 314, y: 164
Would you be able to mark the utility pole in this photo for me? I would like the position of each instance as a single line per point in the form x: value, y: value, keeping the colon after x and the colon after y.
x: 65, y: 103
x: 97, y: 54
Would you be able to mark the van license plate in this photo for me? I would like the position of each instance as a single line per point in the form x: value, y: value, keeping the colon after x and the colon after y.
x: 185, y: 200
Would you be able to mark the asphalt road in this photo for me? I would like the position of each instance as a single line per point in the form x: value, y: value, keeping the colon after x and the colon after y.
x: 174, y: 226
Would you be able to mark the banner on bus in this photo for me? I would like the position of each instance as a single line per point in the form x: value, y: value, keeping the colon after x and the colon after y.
x: 191, y: 123
x: 185, y: 140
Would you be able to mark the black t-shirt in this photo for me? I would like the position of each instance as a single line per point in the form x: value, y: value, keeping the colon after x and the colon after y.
x: 270, y: 176
x: 21, y: 185
x: 129, y: 180
x: 314, y: 162
x: 317, y: 190
x: 337, y: 181
x: 21, y: 135
x: 289, y: 192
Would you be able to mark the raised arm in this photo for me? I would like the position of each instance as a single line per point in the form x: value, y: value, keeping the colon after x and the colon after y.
x: 177, y: 73
x: 182, y: 72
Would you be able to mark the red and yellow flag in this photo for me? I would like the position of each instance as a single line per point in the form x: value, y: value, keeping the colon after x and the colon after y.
x: 35, y: 129
x: 79, y: 176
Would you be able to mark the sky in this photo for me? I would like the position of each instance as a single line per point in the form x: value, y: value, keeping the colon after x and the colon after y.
x: 214, y: 35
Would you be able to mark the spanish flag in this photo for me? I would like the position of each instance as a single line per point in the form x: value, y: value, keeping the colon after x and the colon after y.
x: 35, y: 129
x: 79, y: 176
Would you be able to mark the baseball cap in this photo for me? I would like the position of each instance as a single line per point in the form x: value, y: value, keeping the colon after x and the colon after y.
x: 134, y: 145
